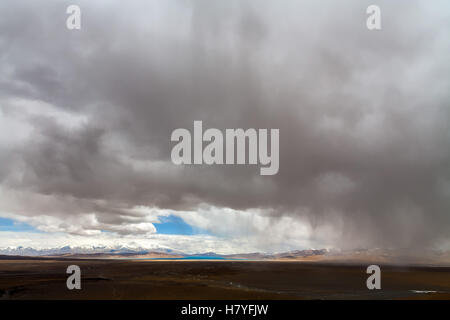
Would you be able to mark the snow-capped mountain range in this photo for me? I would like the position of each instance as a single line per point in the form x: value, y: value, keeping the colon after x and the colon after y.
x: 28, y: 251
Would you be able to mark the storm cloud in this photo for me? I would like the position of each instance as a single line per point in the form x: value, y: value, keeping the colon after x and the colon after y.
x: 364, y: 116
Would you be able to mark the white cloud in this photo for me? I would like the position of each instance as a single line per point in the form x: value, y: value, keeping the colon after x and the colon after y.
x: 228, y: 231
x: 186, y: 244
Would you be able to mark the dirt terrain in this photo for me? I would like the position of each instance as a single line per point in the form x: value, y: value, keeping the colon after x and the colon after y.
x: 144, y: 279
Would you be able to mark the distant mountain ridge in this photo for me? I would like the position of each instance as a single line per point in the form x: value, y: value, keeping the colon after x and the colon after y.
x: 377, y: 255
x: 28, y: 251
x: 123, y: 251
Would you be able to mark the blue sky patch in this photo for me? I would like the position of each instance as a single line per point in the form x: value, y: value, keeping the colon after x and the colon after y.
x: 176, y: 225
x: 15, y: 226
x: 169, y: 225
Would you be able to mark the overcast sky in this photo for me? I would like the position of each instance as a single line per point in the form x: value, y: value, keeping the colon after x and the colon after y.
x: 364, y: 117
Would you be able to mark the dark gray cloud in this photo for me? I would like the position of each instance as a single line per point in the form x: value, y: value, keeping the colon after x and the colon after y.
x: 363, y: 116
